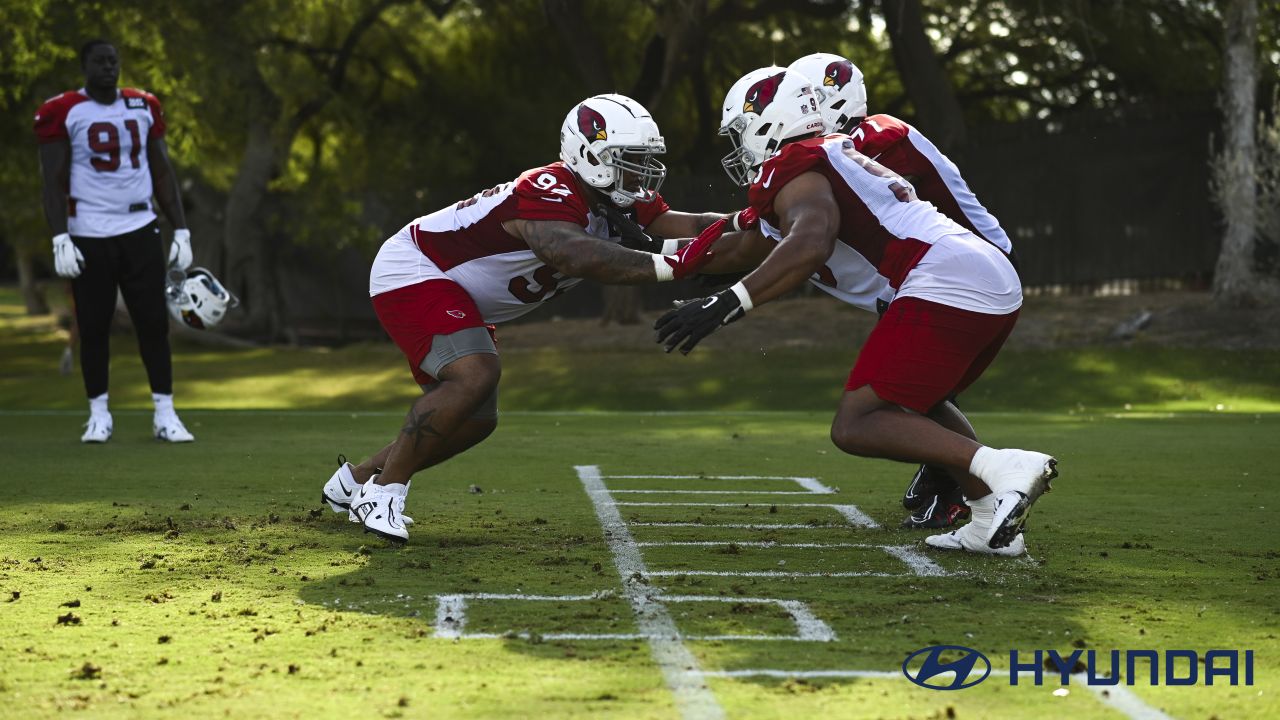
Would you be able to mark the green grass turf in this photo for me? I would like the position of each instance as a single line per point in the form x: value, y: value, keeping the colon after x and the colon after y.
x: 207, y: 586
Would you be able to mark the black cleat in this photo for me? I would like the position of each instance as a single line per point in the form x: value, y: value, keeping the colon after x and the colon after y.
x: 938, y: 511
x: 928, y: 482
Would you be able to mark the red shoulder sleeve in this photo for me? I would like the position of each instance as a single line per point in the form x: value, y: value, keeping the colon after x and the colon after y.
x: 878, y: 133
x: 153, y: 105
x: 550, y: 193
x: 647, y: 212
x: 794, y: 160
x: 51, y: 118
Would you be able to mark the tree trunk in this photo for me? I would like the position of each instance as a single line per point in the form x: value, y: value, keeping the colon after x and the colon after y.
x: 248, y: 270
x: 937, y: 110
x: 1234, y: 279
x: 32, y: 298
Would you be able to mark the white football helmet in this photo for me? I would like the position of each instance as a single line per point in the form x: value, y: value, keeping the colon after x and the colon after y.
x: 761, y: 111
x: 609, y: 141
x: 841, y: 91
x: 196, y: 298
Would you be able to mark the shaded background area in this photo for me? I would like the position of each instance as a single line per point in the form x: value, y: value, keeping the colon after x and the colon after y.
x: 306, y: 132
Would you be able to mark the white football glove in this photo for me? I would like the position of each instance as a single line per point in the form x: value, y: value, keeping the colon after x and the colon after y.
x: 67, y: 258
x: 180, y: 250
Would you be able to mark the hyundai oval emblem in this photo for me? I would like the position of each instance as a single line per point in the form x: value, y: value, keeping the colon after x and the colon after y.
x: 963, y: 667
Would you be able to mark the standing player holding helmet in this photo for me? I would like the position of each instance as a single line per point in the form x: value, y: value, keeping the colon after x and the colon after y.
x: 834, y: 214
x: 442, y: 282
x: 103, y: 155
x: 932, y: 496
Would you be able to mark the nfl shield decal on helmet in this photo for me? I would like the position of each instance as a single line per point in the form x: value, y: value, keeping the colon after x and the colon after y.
x: 760, y: 95
x: 838, y: 74
x: 591, y: 124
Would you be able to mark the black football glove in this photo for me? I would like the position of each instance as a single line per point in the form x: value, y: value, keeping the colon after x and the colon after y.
x: 696, y: 319
x: 633, y: 236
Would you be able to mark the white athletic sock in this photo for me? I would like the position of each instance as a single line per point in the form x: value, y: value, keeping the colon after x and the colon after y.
x: 396, y: 489
x: 980, y: 466
x: 983, y: 509
x: 98, y: 405
x: 164, y: 403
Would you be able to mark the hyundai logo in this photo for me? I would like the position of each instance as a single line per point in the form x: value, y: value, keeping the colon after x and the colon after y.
x: 963, y: 667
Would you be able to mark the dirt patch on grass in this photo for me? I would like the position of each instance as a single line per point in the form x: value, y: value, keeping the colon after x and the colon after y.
x: 1167, y: 319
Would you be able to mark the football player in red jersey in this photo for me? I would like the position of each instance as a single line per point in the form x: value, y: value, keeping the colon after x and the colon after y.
x: 442, y: 282
x: 932, y: 495
x: 835, y: 215
x: 103, y: 157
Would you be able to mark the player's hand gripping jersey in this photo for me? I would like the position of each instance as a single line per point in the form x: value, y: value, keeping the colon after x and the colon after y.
x: 467, y: 244
x: 110, y: 191
x: 901, y: 148
x: 888, y: 240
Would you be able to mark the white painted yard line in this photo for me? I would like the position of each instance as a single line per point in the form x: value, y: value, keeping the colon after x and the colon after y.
x: 1121, y: 699
x: 808, y: 626
x: 745, y: 526
x: 919, y: 564
x: 602, y: 595
x: 756, y: 543
x: 635, y: 636
x: 849, y: 512
x: 813, y: 486
x: 703, y: 477
x: 770, y: 573
x: 451, y: 616
x: 679, y: 667
x: 713, y: 492
x: 803, y: 673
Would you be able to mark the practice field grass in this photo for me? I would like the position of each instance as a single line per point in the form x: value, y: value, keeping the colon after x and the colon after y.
x: 144, y: 580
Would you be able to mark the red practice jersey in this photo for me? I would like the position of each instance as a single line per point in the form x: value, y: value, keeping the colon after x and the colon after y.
x: 901, y: 148
x: 885, y: 243
x: 110, y: 191
x: 465, y: 242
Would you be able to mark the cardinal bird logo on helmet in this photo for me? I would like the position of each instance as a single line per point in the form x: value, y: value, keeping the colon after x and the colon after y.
x: 591, y: 124
x: 761, y: 94
x: 838, y: 74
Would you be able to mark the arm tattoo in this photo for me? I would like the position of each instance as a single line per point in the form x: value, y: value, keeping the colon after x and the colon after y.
x: 567, y: 248
x: 418, y: 427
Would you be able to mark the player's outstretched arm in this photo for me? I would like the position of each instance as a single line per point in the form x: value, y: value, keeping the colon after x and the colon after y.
x: 565, y: 247
x: 739, y: 252
x: 810, y: 220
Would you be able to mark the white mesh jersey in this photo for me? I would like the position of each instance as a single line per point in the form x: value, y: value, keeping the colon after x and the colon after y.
x: 901, y: 148
x: 888, y: 240
x: 466, y: 243
x: 110, y: 192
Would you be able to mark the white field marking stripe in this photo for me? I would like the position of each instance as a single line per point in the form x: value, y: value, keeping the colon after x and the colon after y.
x: 771, y: 573
x: 703, y: 477
x: 756, y: 543
x: 451, y: 616
x: 850, y: 512
x: 779, y: 526
x: 1121, y: 699
x: 679, y: 667
x: 602, y: 595
x: 804, y: 673
x: 714, y: 492
x: 918, y: 563
x: 640, y: 636
x: 813, y: 486
x: 808, y: 626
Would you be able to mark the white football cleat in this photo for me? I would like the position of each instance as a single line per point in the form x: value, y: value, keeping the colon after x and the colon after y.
x: 342, y: 486
x: 97, y: 429
x: 380, y: 508
x: 971, y: 538
x: 169, y: 428
x: 1017, y: 479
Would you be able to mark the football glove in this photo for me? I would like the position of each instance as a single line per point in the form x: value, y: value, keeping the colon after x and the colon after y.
x: 696, y: 319
x: 692, y: 257
x: 180, y: 250
x: 633, y: 236
x: 744, y: 219
x: 68, y: 261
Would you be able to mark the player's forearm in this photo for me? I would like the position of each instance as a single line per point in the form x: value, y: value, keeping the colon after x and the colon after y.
x: 55, y: 209
x: 738, y: 252
x: 168, y: 197
x: 576, y: 254
x: 788, y: 267
x: 675, y: 224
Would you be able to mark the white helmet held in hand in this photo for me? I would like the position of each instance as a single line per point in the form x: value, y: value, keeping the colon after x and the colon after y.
x: 196, y: 298
x: 762, y: 110
x: 609, y: 141
x: 838, y: 83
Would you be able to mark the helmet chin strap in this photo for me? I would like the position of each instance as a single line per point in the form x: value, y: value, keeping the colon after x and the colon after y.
x: 621, y: 199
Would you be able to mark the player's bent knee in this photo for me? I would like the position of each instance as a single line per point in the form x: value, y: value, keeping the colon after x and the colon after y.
x: 474, y: 347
